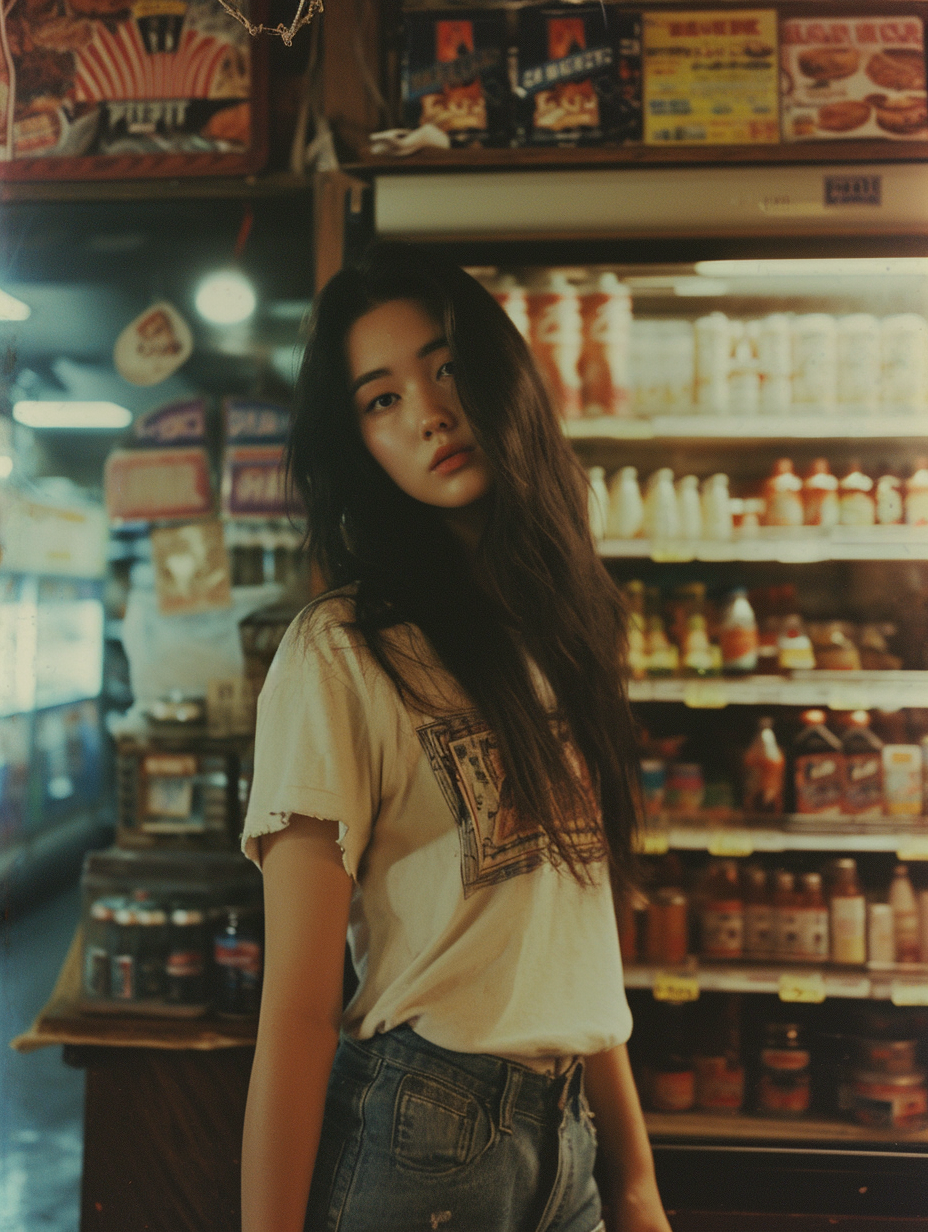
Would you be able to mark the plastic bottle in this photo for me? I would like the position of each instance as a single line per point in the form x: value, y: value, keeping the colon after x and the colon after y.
x: 905, y: 916
x: 889, y: 504
x: 723, y: 913
x: 786, y: 917
x: 697, y: 658
x: 847, y: 915
x: 758, y: 914
x: 672, y: 1076
x: 511, y: 298
x: 764, y: 772
x: 712, y: 335
x: 859, y: 364
x: 818, y: 767
x: 606, y: 314
x: 663, y: 657
x: 637, y: 637
x: 556, y: 333
x: 661, y: 516
x: 782, y: 495
x: 716, y: 508
x: 815, y: 363
x: 689, y: 507
x: 863, y: 768
x: 719, y: 1069
x: 820, y: 496
x: 858, y: 504
x: 813, y: 919
x: 626, y: 508
x: 794, y: 646
x: 881, y: 935
x: 738, y: 636
x: 744, y: 378
x: 598, y: 502
x: 904, y: 375
x: 916, y: 494
x: 774, y: 357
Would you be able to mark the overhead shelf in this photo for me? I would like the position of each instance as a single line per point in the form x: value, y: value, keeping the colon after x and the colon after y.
x: 833, y: 690
x: 903, y: 984
x: 807, y: 546
x: 824, y: 426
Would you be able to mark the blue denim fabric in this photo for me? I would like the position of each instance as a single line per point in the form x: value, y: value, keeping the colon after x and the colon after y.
x: 419, y: 1138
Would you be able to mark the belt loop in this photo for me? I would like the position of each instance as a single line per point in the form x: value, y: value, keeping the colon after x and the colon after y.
x: 509, y: 1097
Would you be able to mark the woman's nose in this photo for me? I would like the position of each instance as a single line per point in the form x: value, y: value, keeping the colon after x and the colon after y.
x: 435, y: 415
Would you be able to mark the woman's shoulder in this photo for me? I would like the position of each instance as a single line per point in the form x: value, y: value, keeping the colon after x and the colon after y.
x: 324, y: 630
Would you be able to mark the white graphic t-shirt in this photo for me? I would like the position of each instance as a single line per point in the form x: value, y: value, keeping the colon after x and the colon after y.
x: 460, y: 926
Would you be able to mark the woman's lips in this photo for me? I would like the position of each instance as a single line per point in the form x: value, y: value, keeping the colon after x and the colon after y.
x: 453, y: 462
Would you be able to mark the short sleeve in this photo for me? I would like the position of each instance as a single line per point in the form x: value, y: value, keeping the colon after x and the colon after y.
x: 317, y: 750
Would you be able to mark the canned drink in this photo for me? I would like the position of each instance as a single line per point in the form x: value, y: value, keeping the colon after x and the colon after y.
x: 237, y: 955
x: 124, y: 959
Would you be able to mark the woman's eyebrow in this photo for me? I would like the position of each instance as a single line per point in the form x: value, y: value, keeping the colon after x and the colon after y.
x: 435, y: 345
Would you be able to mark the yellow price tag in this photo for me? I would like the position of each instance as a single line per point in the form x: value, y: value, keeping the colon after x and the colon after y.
x: 914, y: 848
x: 799, y: 986
x: 730, y: 843
x: 907, y: 992
x: 672, y: 552
x: 705, y: 695
x: 654, y: 842
x: 669, y: 987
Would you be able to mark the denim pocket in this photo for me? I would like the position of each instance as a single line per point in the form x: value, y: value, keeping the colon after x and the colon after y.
x: 437, y: 1127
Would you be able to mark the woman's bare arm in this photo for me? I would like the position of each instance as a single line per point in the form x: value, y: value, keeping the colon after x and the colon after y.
x: 630, y: 1191
x: 307, y: 894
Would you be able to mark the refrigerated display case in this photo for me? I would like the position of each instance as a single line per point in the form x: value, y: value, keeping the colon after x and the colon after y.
x: 750, y: 241
x: 52, y: 752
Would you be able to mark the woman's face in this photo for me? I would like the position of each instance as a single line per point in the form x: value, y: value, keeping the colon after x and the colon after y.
x: 402, y: 382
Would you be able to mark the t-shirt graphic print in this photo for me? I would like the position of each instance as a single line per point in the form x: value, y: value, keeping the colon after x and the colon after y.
x: 497, y: 842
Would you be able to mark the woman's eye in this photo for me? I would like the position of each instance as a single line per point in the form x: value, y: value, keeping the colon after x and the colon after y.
x: 447, y: 368
x: 382, y: 402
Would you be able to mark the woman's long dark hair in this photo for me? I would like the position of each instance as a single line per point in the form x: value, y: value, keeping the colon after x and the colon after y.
x: 542, y: 588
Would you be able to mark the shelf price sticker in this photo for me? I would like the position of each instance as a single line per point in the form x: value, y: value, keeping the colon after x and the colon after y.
x: 653, y: 843
x: 909, y: 992
x: 730, y: 844
x: 705, y: 695
x: 849, y: 697
x: 914, y: 847
x: 802, y: 986
x: 675, y: 988
x: 670, y: 552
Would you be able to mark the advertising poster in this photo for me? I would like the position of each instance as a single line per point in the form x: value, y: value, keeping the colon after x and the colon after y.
x: 853, y: 77
x: 710, y: 78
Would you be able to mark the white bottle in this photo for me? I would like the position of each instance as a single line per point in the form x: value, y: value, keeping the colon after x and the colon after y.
x: 717, y: 521
x: 598, y: 502
x: 881, y: 936
x: 905, y: 915
x: 511, y: 298
x: 859, y: 363
x: 904, y: 373
x: 775, y: 362
x: 661, y: 515
x: 626, y: 507
x: 815, y: 363
x: 712, y: 362
x: 689, y: 507
x: 744, y: 378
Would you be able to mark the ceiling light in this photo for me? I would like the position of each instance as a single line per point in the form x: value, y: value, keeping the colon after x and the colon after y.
x: 827, y: 266
x: 225, y: 298
x: 12, y: 309
x: 63, y: 414
x: 6, y: 466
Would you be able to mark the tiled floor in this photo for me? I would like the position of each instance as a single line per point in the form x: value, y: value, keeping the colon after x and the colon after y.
x: 41, y: 1099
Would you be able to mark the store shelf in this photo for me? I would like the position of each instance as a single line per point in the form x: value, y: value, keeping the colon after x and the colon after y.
x: 804, y: 547
x: 905, y: 837
x: 825, y: 426
x: 247, y: 187
x: 703, y: 1125
x: 833, y: 690
x: 903, y: 985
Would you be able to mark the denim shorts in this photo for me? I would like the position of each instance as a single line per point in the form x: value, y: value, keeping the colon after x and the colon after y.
x: 417, y: 1139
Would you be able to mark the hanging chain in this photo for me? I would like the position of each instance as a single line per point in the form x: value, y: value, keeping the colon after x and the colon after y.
x: 306, y: 11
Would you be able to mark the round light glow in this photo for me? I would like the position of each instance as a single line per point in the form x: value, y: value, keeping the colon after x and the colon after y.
x: 72, y: 415
x: 6, y: 465
x: 225, y: 298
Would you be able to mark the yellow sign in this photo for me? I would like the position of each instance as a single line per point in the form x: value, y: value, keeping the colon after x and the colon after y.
x: 799, y: 986
x: 912, y: 847
x: 904, y: 992
x: 711, y: 78
x: 653, y: 842
x: 668, y: 987
x: 705, y: 695
x: 730, y: 843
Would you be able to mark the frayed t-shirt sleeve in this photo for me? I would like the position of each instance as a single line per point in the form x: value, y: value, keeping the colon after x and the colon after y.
x: 317, y: 753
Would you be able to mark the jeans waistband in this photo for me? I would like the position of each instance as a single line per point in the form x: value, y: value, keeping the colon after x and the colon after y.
x: 516, y: 1087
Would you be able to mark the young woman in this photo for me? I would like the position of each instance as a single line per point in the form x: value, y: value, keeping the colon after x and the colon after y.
x: 444, y: 770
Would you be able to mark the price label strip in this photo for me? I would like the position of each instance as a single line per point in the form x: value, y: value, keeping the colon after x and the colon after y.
x: 675, y: 988
x: 705, y: 695
x: 914, y: 847
x: 801, y: 986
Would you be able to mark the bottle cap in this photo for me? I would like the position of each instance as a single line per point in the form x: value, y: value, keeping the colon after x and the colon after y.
x: 859, y: 718
x: 812, y: 718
